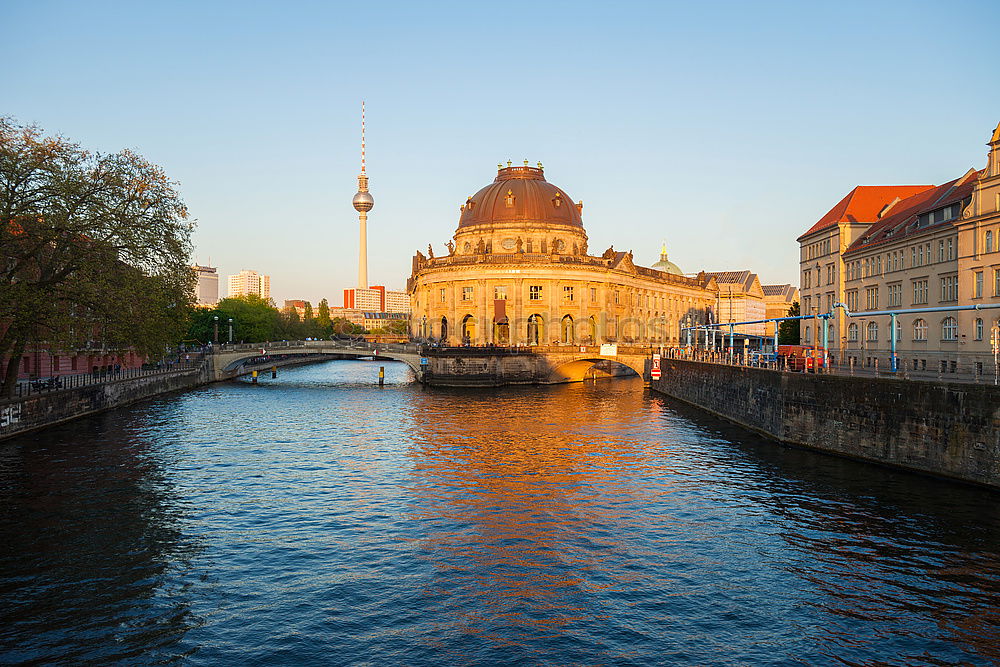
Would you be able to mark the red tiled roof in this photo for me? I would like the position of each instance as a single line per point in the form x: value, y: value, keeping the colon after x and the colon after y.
x: 863, y: 203
x: 897, y: 224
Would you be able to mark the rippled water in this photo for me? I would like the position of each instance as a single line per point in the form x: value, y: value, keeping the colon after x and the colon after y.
x: 319, y: 519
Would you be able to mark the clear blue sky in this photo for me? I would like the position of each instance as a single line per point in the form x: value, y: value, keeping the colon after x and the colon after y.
x: 725, y: 129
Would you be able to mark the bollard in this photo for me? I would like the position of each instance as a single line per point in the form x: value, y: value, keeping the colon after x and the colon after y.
x: 381, y: 376
x: 274, y: 372
x: 254, y: 377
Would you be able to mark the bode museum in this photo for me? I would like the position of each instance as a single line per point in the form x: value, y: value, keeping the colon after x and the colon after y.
x: 518, y: 272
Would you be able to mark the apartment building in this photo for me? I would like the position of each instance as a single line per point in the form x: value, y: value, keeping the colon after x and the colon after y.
x: 934, y: 247
x: 740, y: 299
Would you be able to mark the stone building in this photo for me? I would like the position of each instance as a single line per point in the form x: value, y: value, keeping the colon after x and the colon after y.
x: 740, y: 299
x: 925, y: 247
x: 777, y: 300
x: 518, y: 272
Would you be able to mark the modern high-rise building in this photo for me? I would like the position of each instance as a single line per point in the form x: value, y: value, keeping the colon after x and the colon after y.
x: 378, y: 299
x: 207, y: 290
x: 250, y: 282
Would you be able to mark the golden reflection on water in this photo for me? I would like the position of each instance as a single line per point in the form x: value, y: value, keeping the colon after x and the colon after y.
x: 528, y: 485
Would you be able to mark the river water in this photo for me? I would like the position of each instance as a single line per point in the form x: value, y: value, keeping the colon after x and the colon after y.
x: 320, y: 519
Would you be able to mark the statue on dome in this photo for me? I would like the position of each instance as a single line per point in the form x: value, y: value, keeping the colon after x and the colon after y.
x: 430, y: 251
x: 451, y: 248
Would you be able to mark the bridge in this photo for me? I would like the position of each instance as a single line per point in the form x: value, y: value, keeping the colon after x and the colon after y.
x: 446, y: 366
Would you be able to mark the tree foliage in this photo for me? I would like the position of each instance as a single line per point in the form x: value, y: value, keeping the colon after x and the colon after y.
x: 788, y: 331
x: 94, y: 249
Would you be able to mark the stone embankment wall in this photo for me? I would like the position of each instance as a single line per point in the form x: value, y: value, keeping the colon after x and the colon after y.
x: 48, y: 408
x: 945, y: 429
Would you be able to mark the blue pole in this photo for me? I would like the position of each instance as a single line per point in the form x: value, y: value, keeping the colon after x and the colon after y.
x: 826, y: 342
x: 892, y: 341
x: 730, y: 343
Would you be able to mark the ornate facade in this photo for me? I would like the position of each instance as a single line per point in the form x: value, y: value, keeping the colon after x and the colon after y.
x: 518, y: 272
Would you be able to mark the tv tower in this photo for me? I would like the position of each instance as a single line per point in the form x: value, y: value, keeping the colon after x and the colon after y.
x: 363, y: 203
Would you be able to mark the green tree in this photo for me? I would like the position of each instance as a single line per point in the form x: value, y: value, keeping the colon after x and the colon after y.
x: 323, y: 318
x: 255, y: 320
x: 788, y: 331
x: 95, y: 249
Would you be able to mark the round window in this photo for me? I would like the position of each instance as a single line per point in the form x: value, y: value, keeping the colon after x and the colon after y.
x: 560, y: 245
x: 509, y: 244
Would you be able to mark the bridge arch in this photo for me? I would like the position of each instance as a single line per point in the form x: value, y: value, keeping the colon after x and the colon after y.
x: 577, y: 370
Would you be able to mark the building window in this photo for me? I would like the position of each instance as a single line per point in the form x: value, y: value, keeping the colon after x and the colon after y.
x: 949, y: 288
x: 989, y: 241
x: 895, y: 295
x: 977, y: 291
x: 872, y: 331
x: 871, y: 298
x: 979, y: 328
x: 852, y: 332
x: 829, y: 274
x: 852, y: 300
x: 919, y: 329
x: 617, y: 297
x: 500, y: 292
x: 535, y: 293
x: 919, y: 292
x: 951, y: 249
x: 441, y: 294
x: 509, y: 199
x: 941, y: 251
x: 593, y: 295
x: 467, y: 294
x: 949, y: 329
x: 808, y: 336
x: 996, y: 282
x: 567, y: 293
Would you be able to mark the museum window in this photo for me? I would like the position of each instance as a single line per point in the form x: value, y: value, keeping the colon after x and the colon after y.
x: 500, y: 292
x: 509, y: 199
x: 920, y: 329
x: 949, y: 329
x: 535, y: 293
x: 467, y: 293
x: 617, y: 297
x: 593, y: 295
x: 567, y: 293
x: 441, y: 294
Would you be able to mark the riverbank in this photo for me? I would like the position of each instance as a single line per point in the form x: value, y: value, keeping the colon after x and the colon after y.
x: 939, y: 428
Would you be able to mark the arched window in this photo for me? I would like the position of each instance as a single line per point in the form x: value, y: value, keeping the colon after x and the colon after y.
x: 979, y: 328
x: 919, y: 329
x: 567, y: 330
x: 468, y: 329
x: 949, y: 329
x: 534, y: 329
x: 872, y: 331
x: 852, y: 332
x: 989, y: 241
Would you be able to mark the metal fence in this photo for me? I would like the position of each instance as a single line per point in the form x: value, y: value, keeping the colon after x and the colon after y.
x: 57, y: 383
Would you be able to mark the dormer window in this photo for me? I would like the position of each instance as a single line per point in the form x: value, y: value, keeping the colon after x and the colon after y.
x: 509, y: 199
x: 469, y: 204
x: 557, y: 200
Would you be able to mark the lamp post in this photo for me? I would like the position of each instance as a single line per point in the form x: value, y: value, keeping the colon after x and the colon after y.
x: 230, y: 331
x: 215, y: 329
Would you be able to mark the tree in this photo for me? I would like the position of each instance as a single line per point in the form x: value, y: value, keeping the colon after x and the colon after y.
x: 323, y: 318
x: 95, y: 250
x: 788, y: 331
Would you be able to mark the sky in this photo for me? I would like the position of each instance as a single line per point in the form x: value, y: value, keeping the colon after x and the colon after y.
x: 723, y: 129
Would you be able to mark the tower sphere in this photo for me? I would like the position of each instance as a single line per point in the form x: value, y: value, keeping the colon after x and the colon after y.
x: 363, y: 202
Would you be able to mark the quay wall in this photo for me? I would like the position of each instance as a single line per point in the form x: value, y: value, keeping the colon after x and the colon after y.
x: 940, y: 428
x: 49, y: 408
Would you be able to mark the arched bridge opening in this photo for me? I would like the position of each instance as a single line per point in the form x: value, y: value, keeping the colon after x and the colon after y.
x: 595, y: 368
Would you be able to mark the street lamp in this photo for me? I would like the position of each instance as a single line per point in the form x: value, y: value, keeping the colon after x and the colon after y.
x: 230, y: 330
x: 215, y: 329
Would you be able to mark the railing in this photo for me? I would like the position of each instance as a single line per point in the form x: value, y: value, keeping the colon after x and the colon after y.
x: 56, y: 383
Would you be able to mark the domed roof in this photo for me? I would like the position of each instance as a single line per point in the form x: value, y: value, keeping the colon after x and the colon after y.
x: 520, y: 194
x: 665, y: 264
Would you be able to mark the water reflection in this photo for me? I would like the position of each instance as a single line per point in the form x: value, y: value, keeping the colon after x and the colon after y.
x: 115, y: 566
x: 319, y: 518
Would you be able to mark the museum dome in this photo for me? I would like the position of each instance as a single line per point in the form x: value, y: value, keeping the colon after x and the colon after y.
x: 665, y: 264
x: 520, y: 195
